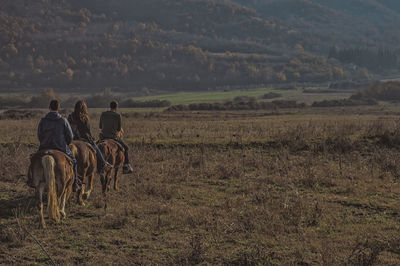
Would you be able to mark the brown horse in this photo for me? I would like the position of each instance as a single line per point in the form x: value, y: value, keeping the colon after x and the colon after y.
x: 85, y: 156
x: 51, y: 170
x: 114, y: 154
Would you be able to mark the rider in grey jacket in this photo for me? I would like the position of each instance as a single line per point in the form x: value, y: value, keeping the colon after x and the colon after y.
x: 54, y: 132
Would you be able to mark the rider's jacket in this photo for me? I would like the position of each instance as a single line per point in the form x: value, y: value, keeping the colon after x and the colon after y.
x: 54, y: 132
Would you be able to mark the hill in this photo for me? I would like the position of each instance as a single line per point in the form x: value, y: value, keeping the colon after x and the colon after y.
x: 343, y: 23
x: 145, y: 47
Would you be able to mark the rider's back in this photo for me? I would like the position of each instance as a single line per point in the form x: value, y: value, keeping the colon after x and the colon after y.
x: 110, y: 124
x: 54, y: 132
x: 81, y: 129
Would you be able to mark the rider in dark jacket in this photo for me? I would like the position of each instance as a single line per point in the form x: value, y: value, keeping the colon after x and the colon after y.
x: 54, y: 132
x: 111, y: 126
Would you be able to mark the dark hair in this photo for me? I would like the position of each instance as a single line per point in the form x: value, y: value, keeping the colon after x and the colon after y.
x: 80, y: 111
x: 113, y: 105
x: 54, y: 105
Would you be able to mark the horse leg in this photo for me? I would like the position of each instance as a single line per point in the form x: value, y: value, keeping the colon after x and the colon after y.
x: 39, y: 191
x: 108, y: 180
x: 116, y: 171
x: 62, y: 205
x: 105, y: 180
x: 87, y: 193
x: 79, y: 196
x: 105, y: 203
x: 81, y: 191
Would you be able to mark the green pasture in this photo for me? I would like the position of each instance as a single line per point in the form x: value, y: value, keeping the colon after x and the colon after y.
x: 218, y: 96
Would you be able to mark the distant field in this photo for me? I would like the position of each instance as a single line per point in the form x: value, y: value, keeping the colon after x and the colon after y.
x: 197, y: 97
x: 205, y: 97
x: 310, y: 187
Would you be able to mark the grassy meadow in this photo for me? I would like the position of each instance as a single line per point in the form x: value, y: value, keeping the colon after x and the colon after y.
x: 208, y: 97
x: 320, y: 187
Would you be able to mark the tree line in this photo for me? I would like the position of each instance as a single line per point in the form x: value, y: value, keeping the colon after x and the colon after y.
x: 380, y: 59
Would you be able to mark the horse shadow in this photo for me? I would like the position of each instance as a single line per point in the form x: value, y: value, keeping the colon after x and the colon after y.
x: 21, y: 205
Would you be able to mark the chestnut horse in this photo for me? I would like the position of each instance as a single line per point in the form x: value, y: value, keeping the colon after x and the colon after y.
x: 114, y: 154
x: 86, y: 161
x: 51, y: 170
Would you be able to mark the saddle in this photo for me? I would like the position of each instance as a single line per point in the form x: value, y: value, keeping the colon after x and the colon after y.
x: 113, y: 140
x: 88, y: 144
x: 45, y: 152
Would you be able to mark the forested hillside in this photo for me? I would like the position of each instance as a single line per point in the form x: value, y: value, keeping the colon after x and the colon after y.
x: 345, y: 23
x: 158, y: 45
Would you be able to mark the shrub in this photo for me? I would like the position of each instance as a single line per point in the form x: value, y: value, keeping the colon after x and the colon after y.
x: 20, y: 114
x: 42, y: 100
x: 232, y: 105
x: 388, y: 91
x: 12, y: 102
x: 271, y: 95
x: 344, y: 102
x: 100, y: 100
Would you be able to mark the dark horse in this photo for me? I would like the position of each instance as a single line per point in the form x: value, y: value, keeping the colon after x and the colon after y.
x: 51, y: 170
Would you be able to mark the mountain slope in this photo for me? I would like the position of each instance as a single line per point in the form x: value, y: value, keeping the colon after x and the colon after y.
x: 149, y: 46
x: 346, y: 23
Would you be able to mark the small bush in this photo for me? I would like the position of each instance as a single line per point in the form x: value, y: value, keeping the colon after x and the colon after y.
x: 244, y: 99
x: 271, y: 95
x: 344, y: 102
x: 20, y: 114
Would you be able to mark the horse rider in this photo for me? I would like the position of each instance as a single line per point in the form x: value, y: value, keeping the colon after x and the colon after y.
x: 54, y: 132
x: 79, y: 121
x: 111, y: 126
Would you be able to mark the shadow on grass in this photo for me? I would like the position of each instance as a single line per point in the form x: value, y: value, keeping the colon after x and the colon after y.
x: 24, y: 204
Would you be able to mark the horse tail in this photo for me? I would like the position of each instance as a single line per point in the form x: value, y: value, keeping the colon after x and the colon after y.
x: 48, y: 164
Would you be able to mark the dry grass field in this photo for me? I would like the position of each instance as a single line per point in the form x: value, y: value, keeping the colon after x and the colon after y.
x: 238, y: 188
